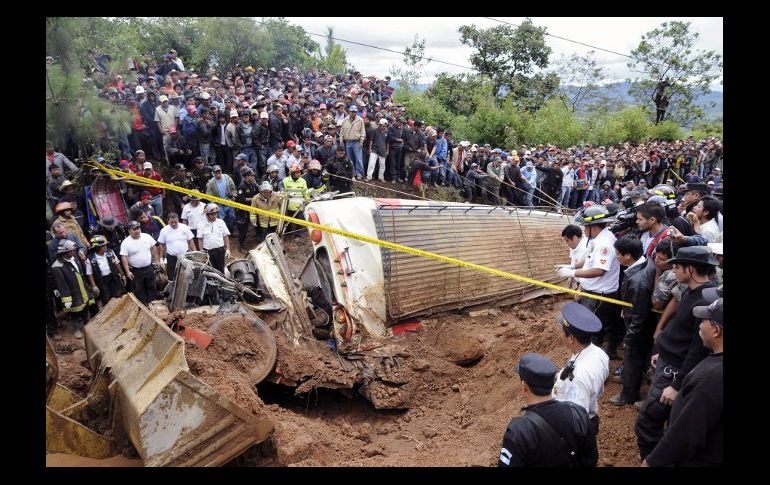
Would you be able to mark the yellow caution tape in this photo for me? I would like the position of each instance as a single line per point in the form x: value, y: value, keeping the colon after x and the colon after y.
x: 367, y: 239
x: 676, y: 174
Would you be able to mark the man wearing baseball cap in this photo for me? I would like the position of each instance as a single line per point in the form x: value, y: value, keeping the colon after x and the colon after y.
x: 166, y: 116
x: 353, y: 134
x: 551, y: 432
x: 679, y: 350
x: 155, y: 192
x: 695, y: 435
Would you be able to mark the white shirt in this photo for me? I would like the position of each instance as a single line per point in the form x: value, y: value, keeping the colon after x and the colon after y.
x: 578, y: 253
x: 104, y: 264
x: 568, y: 179
x: 138, y: 250
x: 175, y: 239
x: 592, y: 368
x: 710, y: 231
x: 193, y: 215
x: 280, y: 163
x: 167, y: 118
x: 601, y: 254
x: 213, y: 233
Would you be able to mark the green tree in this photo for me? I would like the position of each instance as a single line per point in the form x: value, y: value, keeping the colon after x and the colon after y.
x: 629, y: 124
x: 460, y: 92
x: 666, y: 131
x: 156, y: 35
x: 414, y: 63
x: 227, y: 41
x: 421, y: 107
x: 75, y: 115
x: 671, y: 69
x: 334, y: 58
x: 555, y: 123
x: 579, y: 78
x: 509, y: 56
x: 291, y: 44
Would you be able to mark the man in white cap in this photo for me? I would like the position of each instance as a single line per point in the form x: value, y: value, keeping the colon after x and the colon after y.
x: 166, y: 116
x: 155, y: 192
x: 233, y: 142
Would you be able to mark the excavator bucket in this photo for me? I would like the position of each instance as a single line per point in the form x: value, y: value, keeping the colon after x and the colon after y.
x: 171, y: 417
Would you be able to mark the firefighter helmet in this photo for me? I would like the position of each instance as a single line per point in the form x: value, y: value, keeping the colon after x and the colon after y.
x: 596, y: 214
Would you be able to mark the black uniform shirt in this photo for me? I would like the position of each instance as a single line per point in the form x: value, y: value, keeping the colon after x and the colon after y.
x: 524, y: 444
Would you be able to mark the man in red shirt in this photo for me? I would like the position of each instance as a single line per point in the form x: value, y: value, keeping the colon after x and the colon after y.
x: 157, y: 194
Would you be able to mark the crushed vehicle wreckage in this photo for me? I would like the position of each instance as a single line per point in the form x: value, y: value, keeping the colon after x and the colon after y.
x: 338, y: 324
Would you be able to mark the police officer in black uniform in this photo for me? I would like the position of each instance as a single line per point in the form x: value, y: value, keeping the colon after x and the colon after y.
x: 201, y: 174
x: 551, y: 433
x: 113, y: 231
x: 181, y: 178
x: 247, y: 189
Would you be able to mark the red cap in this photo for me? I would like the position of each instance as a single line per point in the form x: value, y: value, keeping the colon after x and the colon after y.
x: 290, y: 144
x: 146, y: 196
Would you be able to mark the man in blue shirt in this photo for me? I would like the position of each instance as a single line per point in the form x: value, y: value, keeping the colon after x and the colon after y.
x: 440, y: 152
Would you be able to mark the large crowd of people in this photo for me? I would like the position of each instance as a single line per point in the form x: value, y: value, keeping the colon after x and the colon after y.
x: 651, y: 234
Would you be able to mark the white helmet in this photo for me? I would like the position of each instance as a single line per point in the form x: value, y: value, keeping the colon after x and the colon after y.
x: 211, y: 207
x: 266, y: 187
x: 315, y: 164
x: 272, y: 168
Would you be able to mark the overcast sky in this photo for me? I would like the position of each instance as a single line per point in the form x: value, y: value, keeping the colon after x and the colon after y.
x: 619, y: 34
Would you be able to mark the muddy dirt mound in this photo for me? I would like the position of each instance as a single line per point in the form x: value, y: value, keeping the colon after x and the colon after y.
x: 74, y: 372
x: 461, y: 348
x: 457, y: 414
x: 313, y: 358
x: 244, y: 343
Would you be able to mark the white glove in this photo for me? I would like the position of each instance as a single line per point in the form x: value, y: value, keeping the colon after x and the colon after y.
x: 227, y: 253
x: 566, y: 272
x: 560, y: 266
x: 68, y: 304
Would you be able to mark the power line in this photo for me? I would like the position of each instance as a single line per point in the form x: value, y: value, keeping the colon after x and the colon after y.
x: 584, y: 44
x: 430, y: 59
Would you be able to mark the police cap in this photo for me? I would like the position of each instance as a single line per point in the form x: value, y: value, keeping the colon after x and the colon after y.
x: 536, y: 370
x: 575, y: 316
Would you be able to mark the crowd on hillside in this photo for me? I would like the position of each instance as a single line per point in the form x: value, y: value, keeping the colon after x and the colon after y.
x: 259, y: 136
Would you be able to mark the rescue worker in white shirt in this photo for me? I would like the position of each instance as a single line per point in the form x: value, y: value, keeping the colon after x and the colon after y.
x: 174, y: 239
x: 70, y: 285
x: 269, y: 201
x: 599, y: 274
x: 581, y: 381
x: 578, y: 244
x: 139, y: 255
x: 104, y: 272
x: 214, y: 237
x: 296, y: 189
x: 192, y: 215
